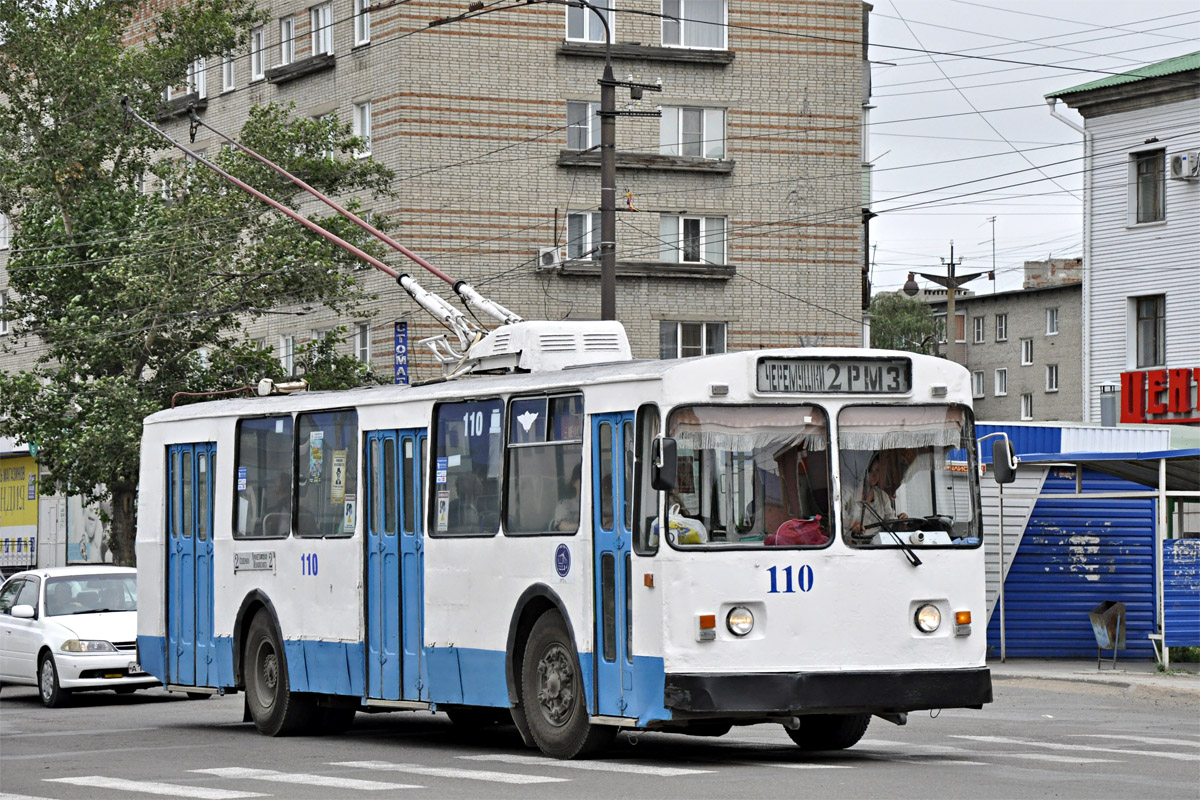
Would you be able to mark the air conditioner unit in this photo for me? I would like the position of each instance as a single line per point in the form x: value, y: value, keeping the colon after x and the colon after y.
x: 1184, y: 166
x: 550, y: 257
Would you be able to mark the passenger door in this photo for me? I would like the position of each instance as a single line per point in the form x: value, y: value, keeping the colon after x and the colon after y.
x: 612, y: 476
x: 190, y: 645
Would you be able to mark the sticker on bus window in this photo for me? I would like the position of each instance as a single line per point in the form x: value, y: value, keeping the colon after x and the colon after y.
x: 443, y: 509
x: 337, y: 486
x: 316, y: 455
x: 348, y: 514
x: 441, y: 471
x: 241, y: 479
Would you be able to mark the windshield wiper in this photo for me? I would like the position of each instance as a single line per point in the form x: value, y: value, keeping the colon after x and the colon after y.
x: 909, y: 553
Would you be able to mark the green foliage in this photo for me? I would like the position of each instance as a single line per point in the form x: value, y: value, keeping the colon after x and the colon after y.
x: 326, y: 368
x: 903, y: 323
x: 134, y: 267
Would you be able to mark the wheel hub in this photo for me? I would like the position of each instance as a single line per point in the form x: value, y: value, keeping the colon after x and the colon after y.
x: 556, y: 685
x: 268, y: 676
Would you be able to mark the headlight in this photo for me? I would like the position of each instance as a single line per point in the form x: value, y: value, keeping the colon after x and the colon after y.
x: 740, y: 621
x: 87, y: 646
x: 928, y: 618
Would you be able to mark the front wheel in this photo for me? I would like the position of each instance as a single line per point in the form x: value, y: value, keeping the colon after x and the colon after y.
x: 552, y: 694
x: 830, y: 731
x: 275, y: 709
x: 52, y: 694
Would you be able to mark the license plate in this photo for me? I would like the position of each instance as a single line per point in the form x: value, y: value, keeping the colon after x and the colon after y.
x: 134, y: 667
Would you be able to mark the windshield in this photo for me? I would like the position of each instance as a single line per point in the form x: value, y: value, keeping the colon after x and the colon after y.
x: 750, y: 476
x: 88, y: 594
x: 905, y: 476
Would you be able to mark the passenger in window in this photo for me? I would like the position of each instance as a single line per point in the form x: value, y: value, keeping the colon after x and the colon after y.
x: 874, y: 503
x: 566, y: 513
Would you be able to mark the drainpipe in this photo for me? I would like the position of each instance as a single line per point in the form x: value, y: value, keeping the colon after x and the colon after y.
x: 1085, y: 333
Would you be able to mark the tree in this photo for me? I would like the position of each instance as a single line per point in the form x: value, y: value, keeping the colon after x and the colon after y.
x: 134, y: 268
x: 903, y: 323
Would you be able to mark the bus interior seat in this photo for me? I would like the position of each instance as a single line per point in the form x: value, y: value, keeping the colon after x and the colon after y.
x: 276, y: 524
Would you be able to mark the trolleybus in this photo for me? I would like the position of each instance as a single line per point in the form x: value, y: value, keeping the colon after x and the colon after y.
x: 580, y: 542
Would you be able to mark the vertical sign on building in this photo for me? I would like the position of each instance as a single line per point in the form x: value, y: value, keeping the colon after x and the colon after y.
x: 401, y: 362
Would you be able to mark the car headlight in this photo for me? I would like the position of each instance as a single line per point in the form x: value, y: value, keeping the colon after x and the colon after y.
x: 87, y: 646
x: 928, y: 618
x: 739, y: 621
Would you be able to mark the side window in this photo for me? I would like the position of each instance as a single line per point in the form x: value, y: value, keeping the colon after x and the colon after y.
x: 545, y: 464
x: 467, y: 463
x: 645, y: 499
x: 8, y: 595
x: 29, y: 593
x: 327, y: 474
x: 263, y: 477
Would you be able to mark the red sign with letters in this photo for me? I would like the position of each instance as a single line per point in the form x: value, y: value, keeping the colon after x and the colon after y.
x: 1161, y: 395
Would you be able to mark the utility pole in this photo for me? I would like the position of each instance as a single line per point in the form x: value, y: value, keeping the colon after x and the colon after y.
x: 951, y: 281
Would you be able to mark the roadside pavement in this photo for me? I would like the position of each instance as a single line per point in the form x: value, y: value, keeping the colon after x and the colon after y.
x: 1132, y: 674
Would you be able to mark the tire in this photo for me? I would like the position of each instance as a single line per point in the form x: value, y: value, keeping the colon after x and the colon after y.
x: 830, y: 731
x: 275, y: 709
x: 52, y: 694
x: 552, y: 694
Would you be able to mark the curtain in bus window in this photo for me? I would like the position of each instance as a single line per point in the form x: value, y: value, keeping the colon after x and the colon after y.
x: 746, y: 429
x: 327, y: 474
x: 900, y: 426
x: 263, y: 477
x: 467, y: 467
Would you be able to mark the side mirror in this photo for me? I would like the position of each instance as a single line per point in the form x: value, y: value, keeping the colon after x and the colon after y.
x: 1004, y: 462
x: 23, y: 611
x: 665, y: 468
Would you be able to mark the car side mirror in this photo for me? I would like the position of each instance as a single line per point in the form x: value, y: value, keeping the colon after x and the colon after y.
x: 23, y: 611
x: 665, y: 468
x: 1004, y: 462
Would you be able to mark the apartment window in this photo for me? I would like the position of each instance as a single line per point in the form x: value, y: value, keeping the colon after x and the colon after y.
x: 692, y: 132
x: 321, y: 23
x: 1150, y: 334
x: 257, y: 43
x: 1002, y: 327
x: 1026, y: 406
x: 1026, y: 352
x: 583, y: 125
x: 1001, y: 387
x: 362, y: 342
x: 584, y: 25
x: 287, y: 40
x: 362, y: 22
x: 227, y: 80
x: 977, y: 384
x: 693, y: 23
x: 196, y: 74
x: 362, y: 127
x: 692, y: 240
x: 5, y: 232
x: 4, y: 329
x: 977, y: 324
x: 1051, y: 321
x: 583, y: 234
x: 287, y: 354
x: 1052, y: 377
x: 684, y: 339
x: 1149, y: 186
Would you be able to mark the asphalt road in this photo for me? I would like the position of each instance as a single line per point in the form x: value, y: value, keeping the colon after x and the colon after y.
x: 1041, y: 738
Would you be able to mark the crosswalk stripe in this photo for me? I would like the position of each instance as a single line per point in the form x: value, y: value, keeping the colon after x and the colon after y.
x: 10, y: 796
x: 1140, y: 739
x: 450, y: 772
x: 1061, y: 759
x: 788, y: 765
x: 154, y: 787
x: 1078, y: 747
x: 302, y: 777
x: 594, y: 766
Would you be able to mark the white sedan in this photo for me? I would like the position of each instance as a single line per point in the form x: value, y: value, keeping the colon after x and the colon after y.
x: 71, y: 629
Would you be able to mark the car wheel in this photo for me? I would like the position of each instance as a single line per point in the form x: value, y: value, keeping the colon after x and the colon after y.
x: 552, y: 694
x: 52, y: 694
x: 275, y: 709
x: 830, y: 731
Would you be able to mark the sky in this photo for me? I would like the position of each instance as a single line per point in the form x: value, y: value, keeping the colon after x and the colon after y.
x: 960, y: 137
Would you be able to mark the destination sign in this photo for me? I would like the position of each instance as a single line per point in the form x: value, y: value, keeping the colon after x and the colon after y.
x: 835, y: 375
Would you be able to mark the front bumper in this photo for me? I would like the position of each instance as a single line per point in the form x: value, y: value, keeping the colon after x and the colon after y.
x: 797, y: 693
x: 100, y: 671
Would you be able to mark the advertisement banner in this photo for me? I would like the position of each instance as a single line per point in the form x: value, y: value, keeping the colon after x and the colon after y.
x: 18, y: 511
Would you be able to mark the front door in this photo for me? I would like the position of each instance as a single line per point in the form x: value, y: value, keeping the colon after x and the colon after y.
x: 612, y: 477
x: 190, y: 645
x: 394, y: 565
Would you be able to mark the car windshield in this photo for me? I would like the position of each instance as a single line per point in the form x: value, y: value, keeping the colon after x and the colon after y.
x: 89, y: 594
x: 749, y: 477
x: 906, y: 476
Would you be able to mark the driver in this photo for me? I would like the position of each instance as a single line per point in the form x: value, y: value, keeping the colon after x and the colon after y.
x: 874, y: 503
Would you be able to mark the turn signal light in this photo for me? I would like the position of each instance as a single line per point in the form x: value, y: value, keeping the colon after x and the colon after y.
x: 706, y: 627
x: 962, y: 623
x: 708, y: 621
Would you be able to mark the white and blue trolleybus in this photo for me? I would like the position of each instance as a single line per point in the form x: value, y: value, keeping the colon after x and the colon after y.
x: 578, y: 541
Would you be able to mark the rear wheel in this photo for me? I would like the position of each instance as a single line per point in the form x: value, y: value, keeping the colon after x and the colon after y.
x: 52, y: 694
x: 275, y: 709
x: 552, y: 694
x: 830, y: 731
